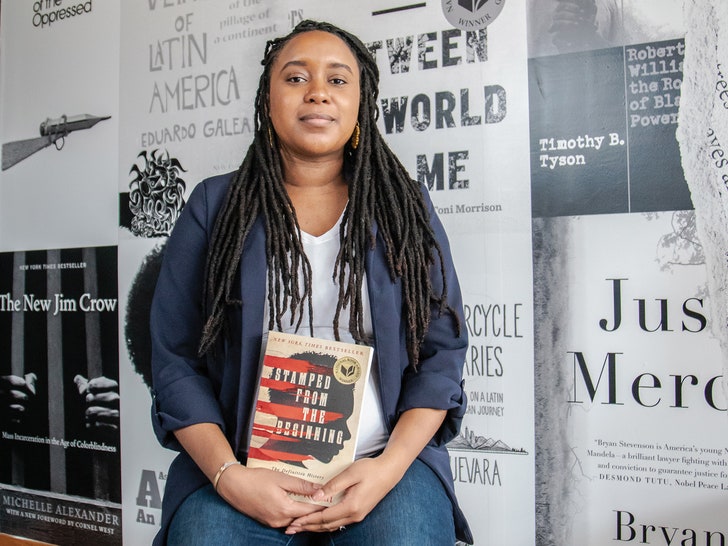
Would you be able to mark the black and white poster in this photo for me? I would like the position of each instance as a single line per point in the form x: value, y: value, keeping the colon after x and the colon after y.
x: 60, y: 456
x: 59, y: 129
x: 628, y: 363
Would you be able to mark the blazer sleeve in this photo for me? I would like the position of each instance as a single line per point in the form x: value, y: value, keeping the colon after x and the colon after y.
x: 438, y: 380
x: 182, y: 391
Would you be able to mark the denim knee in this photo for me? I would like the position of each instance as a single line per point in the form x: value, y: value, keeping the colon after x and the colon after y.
x: 417, y: 512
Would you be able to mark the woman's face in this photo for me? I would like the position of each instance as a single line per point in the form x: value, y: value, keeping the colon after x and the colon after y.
x: 314, y: 95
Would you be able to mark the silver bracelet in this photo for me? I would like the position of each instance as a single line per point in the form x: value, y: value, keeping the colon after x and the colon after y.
x: 223, y: 468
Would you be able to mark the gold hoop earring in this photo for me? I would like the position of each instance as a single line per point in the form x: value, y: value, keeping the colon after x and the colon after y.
x: 270, y: 137
x: 355, y: 137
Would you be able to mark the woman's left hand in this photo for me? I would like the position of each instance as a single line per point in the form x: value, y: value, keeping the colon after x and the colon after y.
x: 367, y: 481
x: 364, y: 484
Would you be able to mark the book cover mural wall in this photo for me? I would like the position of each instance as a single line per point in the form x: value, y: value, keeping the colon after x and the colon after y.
x: 631, y: 409
x: 546, y: 134
x: 60, y: 445
x: 60, y: 440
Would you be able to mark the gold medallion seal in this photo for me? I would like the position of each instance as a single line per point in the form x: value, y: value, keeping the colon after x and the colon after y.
x: 347, y: 370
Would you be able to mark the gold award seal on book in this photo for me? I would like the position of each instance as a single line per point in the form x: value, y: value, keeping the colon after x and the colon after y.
x: 347, y: 370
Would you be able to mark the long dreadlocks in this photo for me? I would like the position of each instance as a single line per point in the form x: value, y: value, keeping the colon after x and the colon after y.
x: 380, y: 190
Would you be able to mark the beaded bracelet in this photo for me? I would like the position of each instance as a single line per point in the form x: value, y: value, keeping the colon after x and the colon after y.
x: 223, y: 468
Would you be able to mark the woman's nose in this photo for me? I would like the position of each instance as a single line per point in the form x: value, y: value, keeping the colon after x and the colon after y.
x: 316, y: 92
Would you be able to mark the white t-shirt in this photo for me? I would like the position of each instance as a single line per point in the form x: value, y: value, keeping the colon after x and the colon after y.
x: 321, y: 252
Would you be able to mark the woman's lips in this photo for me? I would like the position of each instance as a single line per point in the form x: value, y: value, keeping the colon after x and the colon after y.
x: 316, y: 119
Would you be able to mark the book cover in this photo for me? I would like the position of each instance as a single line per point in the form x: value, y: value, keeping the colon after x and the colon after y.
x: 308, y: 406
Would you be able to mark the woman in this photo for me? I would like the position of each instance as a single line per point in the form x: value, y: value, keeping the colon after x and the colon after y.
x: 245, y: 258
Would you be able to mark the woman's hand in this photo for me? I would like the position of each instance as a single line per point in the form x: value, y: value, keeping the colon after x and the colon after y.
x: 263, y: 495
x: 367, y: 481
x: 364, y: 484
x: 259, y: 493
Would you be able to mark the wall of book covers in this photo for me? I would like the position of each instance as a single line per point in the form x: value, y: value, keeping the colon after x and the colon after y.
x: 576, y: 152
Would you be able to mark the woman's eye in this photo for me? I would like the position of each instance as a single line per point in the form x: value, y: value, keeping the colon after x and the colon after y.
x: 296, y: 79
x: 338, y: 81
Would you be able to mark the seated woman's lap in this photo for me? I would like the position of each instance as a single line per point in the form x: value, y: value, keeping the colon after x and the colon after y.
x: 417, y: 512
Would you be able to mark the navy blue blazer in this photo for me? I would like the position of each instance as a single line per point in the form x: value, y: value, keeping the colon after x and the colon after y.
x: 221, y: 388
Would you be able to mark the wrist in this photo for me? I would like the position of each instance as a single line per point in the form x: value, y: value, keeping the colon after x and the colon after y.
x: 395, y: 463
x: 221, y: 471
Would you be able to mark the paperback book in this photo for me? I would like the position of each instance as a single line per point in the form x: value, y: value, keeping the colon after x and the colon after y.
x: 308, y: 406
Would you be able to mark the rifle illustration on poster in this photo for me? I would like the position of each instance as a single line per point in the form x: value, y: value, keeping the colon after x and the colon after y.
x: 52, y: 131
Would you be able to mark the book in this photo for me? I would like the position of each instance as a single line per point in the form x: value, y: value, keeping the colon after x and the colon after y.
x: 308, y: 405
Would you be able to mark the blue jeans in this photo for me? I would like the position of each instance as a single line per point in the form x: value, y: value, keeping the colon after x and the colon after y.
x: 417, y: 512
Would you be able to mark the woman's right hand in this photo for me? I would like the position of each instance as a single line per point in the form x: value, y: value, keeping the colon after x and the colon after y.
x: 263, y: 494
x: 259, y: 493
